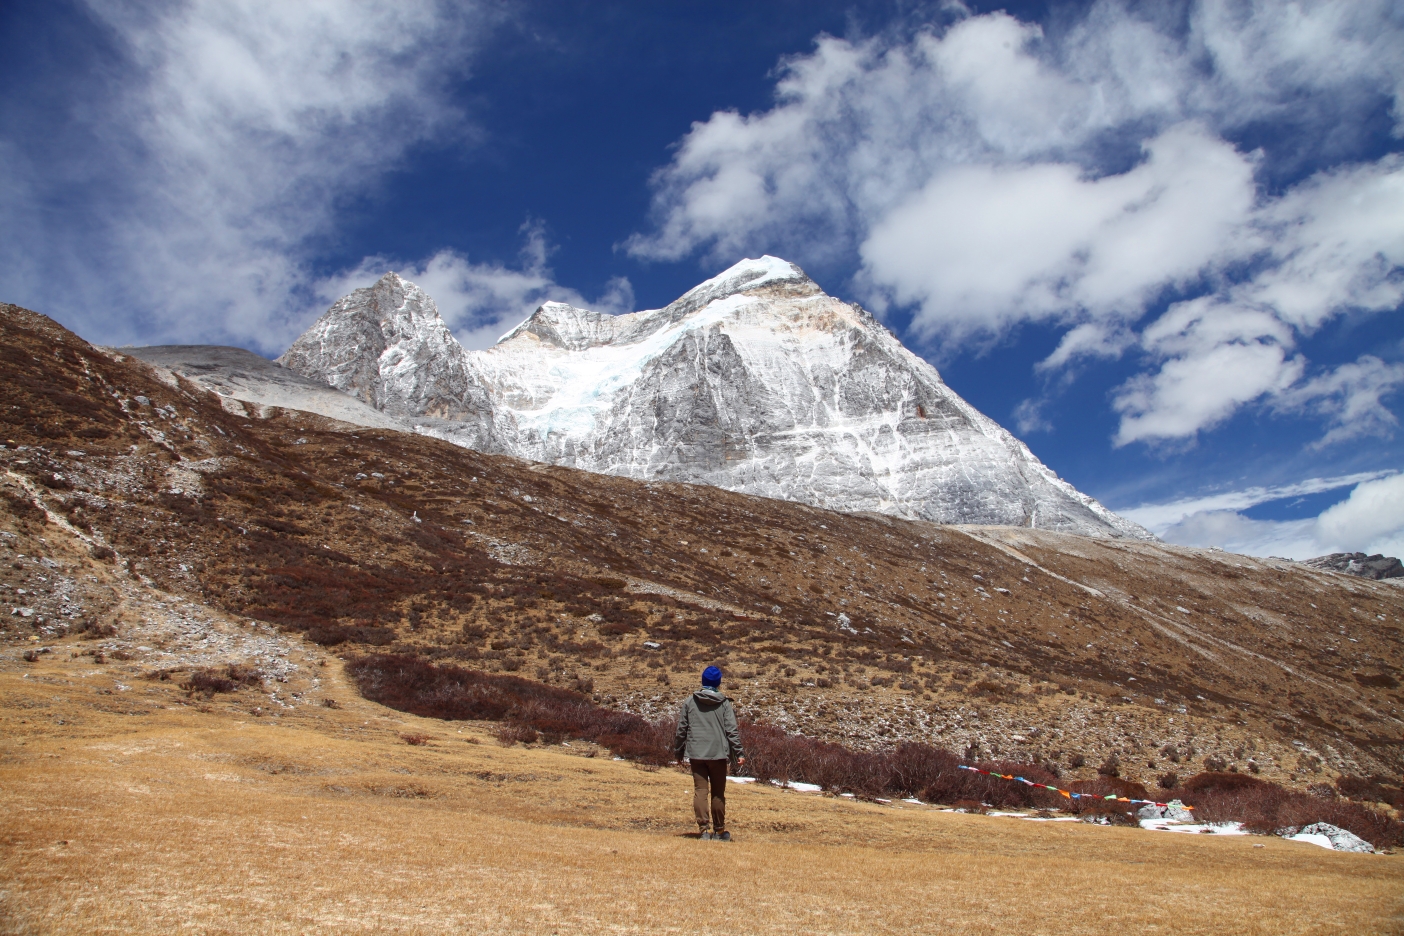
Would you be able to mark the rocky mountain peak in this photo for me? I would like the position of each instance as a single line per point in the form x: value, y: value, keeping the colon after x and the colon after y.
x: 388, y: 345
x: 565, y: 326
x: 753, y: 381
x: 768, y: 276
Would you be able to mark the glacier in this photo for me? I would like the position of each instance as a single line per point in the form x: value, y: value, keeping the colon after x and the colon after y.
x: 754, y: 381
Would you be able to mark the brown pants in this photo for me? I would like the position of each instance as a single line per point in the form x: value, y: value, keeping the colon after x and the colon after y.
x: 709, y: 773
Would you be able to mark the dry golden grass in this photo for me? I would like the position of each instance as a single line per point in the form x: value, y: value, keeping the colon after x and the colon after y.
x: 324, y: 820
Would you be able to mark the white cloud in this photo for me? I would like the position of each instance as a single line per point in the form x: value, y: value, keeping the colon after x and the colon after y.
x: 230, y: 131
x: 1335, y: 242
x: 1369, y: 520
x: 1160, y: 517
x: 986, y: 175
x: 1332, y: 244
x: 482, y: 301
x: 1350, y: 398
x: 1216, y: 358
x: 1289, y: 539
x: 980, y: 248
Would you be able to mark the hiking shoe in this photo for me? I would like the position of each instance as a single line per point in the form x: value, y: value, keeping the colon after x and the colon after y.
x: 704, y: 835
x: 722, y: 836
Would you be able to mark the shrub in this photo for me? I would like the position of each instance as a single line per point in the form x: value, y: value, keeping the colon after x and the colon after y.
x: 91, y: 629
x: 509, y: 734
x: 212, y: 680
x: 329, y: 635
x: 533, y: 711
x: 445, y: 691
x: 1371, y: 790
x: 1265, y: 807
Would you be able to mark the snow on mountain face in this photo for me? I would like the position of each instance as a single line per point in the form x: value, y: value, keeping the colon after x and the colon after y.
x: 754, y: 381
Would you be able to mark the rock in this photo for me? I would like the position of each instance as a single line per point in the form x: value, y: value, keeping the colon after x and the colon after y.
x: 1375, y: 567
x: 754, y: 381
x: 1329, y: 836
x: 1173, y: 811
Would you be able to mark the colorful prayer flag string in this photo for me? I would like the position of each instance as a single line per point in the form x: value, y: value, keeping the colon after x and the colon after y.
x: 1070, y: 795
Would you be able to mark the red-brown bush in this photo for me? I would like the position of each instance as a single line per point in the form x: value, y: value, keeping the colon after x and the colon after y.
x: 410, y: 684
x: 1266, y: 807
x: 532, y: 710
x: 230, y: 678
x: 1370, y: 790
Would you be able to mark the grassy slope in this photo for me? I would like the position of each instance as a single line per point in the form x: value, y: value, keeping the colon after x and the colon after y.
x: 325, y: 820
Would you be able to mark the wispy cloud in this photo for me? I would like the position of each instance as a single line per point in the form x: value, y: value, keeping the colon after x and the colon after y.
x: 1369, y: 519
x: 1160, y: 517
x: 222, y: 139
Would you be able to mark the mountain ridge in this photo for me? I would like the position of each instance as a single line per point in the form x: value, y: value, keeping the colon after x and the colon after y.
x: 755, y: 381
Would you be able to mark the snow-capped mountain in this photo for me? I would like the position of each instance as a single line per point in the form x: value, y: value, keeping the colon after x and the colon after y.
x: 754, y: 381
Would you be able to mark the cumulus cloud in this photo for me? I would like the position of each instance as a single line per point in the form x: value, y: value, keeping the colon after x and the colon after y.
x: 980, y: 248
x: 1217, y: 357
x: 1350, y: 398
x: 984, y: 175
x: 227, y: 133
x: 1370, y: 519
x: 1287, y: 539
x: 1333, y: 243
x: 482, y: 301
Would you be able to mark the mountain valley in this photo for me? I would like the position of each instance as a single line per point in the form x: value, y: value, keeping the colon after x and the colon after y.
x: 859, y: 628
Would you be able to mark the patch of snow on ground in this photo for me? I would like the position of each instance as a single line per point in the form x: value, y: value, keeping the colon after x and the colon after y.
x: 801, y: 787
x: 1312, y: 838
x: 1332, y: 837
x: 1203, y: 828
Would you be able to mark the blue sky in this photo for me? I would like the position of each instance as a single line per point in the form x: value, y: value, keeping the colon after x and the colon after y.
x: 1162, y: 242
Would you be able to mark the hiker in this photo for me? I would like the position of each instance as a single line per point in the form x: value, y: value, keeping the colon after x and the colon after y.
x: 708, y: 738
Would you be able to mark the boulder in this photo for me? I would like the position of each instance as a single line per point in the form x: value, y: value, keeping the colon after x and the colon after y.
x: 1376, y: 567
x: 1173, y: 811
x: 1329, y: 836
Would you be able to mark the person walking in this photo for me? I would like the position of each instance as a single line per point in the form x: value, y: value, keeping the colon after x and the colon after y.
x: 707, y: 736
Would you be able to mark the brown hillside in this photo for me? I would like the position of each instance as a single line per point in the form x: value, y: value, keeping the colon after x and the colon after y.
x: 860, y: 629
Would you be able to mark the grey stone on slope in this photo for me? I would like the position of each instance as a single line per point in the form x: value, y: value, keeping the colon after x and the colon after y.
x: 1375, y: 567
x: 244, y: 376
x: 1340, y: 839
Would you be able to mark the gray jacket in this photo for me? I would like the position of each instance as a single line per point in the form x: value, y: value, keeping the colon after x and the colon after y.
x: 707, y: 728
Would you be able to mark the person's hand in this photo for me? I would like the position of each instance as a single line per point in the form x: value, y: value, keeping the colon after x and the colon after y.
x: 740, y: 762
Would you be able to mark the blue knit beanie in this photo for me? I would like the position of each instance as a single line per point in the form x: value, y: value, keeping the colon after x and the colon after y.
x: 711, y: 676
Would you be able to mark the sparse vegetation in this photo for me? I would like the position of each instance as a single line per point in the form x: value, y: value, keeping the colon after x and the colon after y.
x: 226, y: 679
